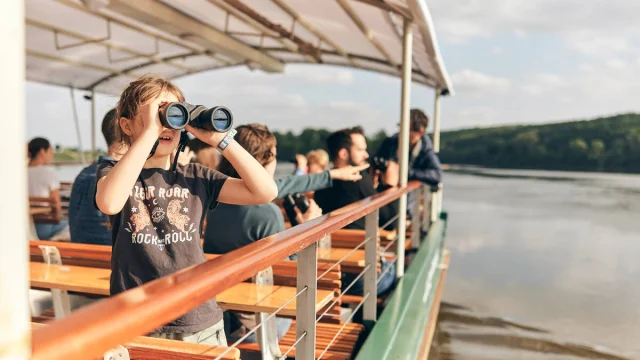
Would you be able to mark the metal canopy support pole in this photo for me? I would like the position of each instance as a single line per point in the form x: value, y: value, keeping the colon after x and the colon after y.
x: 75, y: 119
x: 407, y: 47
x: 436, y: 196
x: 93, y: 125
x: 436, y: 122
x: 15, y: 343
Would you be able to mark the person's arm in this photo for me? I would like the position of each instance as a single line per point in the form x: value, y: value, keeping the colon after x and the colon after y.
x: 388, y: 211
x: 255, y: 186
x: 112, y: 190
x: 431, y: 174
x: 54, y: 192
x: 389, y: 179
x: 54, y: 195
x: 301, y: 165
x: 304, y: 183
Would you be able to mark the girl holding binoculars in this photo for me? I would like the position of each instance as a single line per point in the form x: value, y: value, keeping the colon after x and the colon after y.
x: 156, y: 213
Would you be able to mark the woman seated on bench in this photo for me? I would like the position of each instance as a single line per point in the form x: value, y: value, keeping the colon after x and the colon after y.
x: 43, y: 183
x: 230, y: 227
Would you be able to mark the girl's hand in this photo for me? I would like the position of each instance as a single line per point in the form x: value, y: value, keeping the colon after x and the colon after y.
x: 348, y: 173
x: 149, y: 113
x: 212, y: 138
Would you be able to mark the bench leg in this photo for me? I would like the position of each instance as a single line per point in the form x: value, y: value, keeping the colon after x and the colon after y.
x: 60, y: 298
x: 267, y: 334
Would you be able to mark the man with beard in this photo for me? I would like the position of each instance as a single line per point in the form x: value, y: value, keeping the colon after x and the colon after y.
x: 349, y: 147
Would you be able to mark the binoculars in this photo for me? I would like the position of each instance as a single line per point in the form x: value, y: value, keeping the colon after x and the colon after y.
x: 379, y: 163
x: 291, y: 202
x: 177, y: 115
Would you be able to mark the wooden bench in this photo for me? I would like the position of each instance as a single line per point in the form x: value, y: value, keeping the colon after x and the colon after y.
x: 45, y: 210
x: 240, y: 297
x: 341, y: 349
x: 99, y: 256
x: 148, y: 348
x: 350, y: 238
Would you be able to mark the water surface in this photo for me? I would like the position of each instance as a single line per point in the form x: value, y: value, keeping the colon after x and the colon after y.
x: 550, y: 250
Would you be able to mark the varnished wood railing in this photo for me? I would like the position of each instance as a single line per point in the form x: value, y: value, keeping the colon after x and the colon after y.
x: 92, y: 330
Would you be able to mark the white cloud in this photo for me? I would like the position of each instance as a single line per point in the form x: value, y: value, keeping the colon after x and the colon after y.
x: 475, y: 82
x: 616, y: 64
x: 588, y: 27
x: 497, y: 50
x: 590, y: 43
x: 588, y: 68
x: 544, y: 83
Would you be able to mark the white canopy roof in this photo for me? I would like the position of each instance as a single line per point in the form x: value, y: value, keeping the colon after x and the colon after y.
x: 104, y: 44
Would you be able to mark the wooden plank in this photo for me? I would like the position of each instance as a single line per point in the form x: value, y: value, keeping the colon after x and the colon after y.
x: 240, y: 297
x: 143, y: 348
x: 333, y: 255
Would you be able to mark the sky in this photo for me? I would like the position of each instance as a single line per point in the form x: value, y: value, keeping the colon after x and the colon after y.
x: 510, y: 61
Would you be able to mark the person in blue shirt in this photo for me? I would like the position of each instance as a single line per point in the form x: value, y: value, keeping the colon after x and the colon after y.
x: 424, y: 164
x: 87, y: 224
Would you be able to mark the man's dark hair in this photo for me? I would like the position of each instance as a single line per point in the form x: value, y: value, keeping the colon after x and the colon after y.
x: 418, y: 120
x: 341, y: 139
x: 109, y: 124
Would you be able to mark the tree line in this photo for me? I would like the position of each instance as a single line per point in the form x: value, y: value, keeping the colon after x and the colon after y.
x: 604, y: 144
x: 609, y: 144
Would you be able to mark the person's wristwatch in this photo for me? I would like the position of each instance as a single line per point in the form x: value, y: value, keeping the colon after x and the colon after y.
x: 227, y: 139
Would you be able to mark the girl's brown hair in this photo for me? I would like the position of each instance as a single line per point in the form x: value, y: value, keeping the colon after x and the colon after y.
x: 257, y: 140
x: 139, y: 92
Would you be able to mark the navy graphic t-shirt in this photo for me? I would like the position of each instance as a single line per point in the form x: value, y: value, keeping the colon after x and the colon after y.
x: 157, y: 233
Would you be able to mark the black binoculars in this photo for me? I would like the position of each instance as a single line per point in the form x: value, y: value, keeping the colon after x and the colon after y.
x: 177, y: 115
x: 379, y: 163
x: 291, y: 202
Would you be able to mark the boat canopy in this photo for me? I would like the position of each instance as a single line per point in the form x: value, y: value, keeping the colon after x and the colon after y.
x: 101, y: 45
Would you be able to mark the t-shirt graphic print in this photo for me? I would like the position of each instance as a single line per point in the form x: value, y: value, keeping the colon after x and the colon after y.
x: 157, y: 233
x: 175, y: 201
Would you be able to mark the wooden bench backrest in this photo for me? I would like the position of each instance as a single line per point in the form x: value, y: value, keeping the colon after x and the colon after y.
x: 53, y: 216
x: 100, y: 256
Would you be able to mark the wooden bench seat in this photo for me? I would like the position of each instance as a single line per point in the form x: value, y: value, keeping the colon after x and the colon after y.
x: 341, y: 349
x: 284, y: 272
x: 240, y: 297
x: 148, y: 348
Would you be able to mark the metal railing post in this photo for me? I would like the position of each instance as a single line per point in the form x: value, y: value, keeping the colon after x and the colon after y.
x: 267, y: 334
x: 306, y: 302
x: 435, y: 213
x: 426, y: 208
x: 415, y: 220
x: 369, y: 311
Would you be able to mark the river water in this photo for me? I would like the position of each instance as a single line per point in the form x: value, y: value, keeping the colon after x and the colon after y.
x: 555, y: 252
x: 544, y: 265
